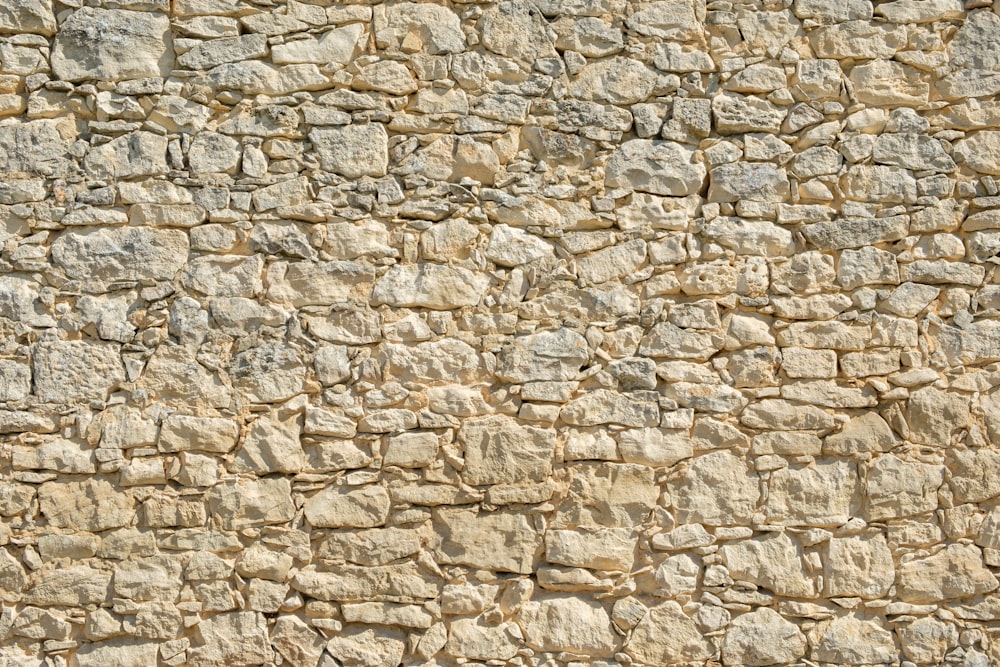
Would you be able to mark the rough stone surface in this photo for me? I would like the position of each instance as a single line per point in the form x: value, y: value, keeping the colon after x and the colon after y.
x: 536, y: 333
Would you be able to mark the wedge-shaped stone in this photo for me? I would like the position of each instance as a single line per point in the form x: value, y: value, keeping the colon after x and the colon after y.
x: 426, y: 285
x: 503, y: 541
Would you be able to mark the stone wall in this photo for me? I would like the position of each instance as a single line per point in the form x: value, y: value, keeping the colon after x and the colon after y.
x: 552, y: 333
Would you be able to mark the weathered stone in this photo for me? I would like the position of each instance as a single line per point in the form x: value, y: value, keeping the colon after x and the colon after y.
x: 431, y: 286
x: 504, y: 541
x: 666, y: 635
x: 469, y: 639
x: 849, y: 640
x: 898, y: 488
x: 658, y: 167
x: 104, y: 256
x: 437, y: 28
x: 821, y: 494
x: 858, y: 566
x: 33, y: 16
x: 957, y: 571
x: 569, y: 624
x: 716, y: 489
x: 129, y: 45
x: 498, y: 450
x: 335, y: 507
x: 243, y: 504
x: 350, y: 583
x: 762, y: 637
x: 602, y: 406
x: 352, y: 151
x: 90, y: 505
x: 607, y: 494
x: 232, y: 638
x: 771, y: 560
x: 70, y: 586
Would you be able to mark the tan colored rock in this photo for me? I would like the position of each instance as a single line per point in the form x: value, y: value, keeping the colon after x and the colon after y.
x: 340, y: 507
x: 132, y: 45
x: 607, y: 494
x: 350, y: 583
x: 666, y: 635
x: 657, y: 167
x: 92, y: 504
x: 246, y: 503
x: 932, y: 415
x: 468, y: 638
x: 352, y: 151
x: 426, y: 285
x: 594, y: 548
x: 957, y: 571
x: 568, y: 624
x: 98, y: 255
x: 772, y: 561
x: 849, y: 640
x: 822, y: 494
x: 498, y: 450
x: 896, y: 488
x: 716, y: 489
x: 926, y: 640
x: 762, y: 637
x: 858, y: 566
x: 367, y: 647
x: 71, y: 586
x: 505, y: 541
x: 232, y: 638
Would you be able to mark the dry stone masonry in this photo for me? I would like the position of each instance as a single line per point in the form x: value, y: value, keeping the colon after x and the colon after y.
x: 537, y: 333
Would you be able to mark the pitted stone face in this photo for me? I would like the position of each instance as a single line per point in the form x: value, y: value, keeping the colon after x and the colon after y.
x: 524, y: 333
